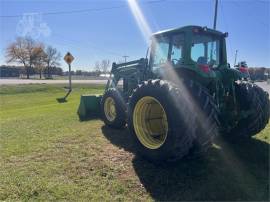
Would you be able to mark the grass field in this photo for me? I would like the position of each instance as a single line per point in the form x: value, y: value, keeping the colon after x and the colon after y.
x: 46, y: 153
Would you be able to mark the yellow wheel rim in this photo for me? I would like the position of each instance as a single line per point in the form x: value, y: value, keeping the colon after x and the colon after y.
x: 109, y: 109
x: 150, y: 122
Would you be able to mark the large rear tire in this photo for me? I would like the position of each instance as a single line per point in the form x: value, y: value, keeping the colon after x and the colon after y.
x: 113, y: 109
x: 251, y: 97
x: 163, y: 122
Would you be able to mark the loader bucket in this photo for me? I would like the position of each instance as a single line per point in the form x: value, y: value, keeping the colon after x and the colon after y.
x: 89, y: 106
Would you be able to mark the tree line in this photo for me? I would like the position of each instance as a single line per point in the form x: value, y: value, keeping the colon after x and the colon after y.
x: 102, y: 66
x: 259, y: 73
x: 33, y: 56
x: 17, y: 71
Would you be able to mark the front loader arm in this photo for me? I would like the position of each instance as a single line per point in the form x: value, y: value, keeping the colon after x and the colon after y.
x: 133, y: 70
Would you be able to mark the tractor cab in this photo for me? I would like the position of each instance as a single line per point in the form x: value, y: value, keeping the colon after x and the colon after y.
x: 188, y: 51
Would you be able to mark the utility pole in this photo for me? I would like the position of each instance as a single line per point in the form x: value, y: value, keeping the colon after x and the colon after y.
x: 235, y: 57
x: 215, y: 17
x: 125, y: 56
x: 214, y: 27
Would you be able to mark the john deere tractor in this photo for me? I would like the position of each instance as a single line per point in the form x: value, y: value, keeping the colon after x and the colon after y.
x: 181, y: 96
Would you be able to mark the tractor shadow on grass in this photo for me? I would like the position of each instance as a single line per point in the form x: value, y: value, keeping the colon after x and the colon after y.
x: 118, y: 137
x: 89, y: 118
x: 229, y: 171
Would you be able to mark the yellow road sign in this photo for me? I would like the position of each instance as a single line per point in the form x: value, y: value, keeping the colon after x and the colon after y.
x: 68, y: 58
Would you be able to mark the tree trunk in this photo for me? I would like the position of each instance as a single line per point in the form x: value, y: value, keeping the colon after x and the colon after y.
x: 40, y: 74
x: 27, y: 72
x: 49, y: 72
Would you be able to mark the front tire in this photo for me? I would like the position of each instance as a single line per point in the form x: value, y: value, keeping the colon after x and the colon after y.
x: 113, y: 109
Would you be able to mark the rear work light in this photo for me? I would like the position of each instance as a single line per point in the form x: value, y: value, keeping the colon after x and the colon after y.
x: 196, y: 30
x: 199, y: 29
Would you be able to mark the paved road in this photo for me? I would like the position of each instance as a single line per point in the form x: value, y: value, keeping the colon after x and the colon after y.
x: 33, y: 81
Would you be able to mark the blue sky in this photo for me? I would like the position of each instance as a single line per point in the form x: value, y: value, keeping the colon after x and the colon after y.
x: 110, y: 33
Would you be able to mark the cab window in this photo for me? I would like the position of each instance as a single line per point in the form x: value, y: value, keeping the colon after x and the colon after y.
x: 160, y: 52
x: 177, y: 49
x: 205, y: 50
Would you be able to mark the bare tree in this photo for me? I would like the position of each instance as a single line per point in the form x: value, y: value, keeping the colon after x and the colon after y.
x: 97, y: 66
x: 24, y: 51
x: 105, y: 64
x: 39, y: 63
x: 51, y: 59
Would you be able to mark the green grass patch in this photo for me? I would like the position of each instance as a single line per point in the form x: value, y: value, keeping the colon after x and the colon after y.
x: 46, y: 153
x: 48, y: 88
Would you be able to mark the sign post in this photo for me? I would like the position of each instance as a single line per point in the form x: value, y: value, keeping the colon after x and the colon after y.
x: 69, y: 58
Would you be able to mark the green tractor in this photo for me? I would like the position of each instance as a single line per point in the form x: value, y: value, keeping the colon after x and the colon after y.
x: 183, y: 96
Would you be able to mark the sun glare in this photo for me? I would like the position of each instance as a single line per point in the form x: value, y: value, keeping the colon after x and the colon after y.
x: 140, y: 19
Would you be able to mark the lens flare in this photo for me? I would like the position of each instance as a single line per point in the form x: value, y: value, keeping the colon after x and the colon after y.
x: 140, y: 19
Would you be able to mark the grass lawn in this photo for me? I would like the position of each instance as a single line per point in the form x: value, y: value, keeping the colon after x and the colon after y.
x: 46, y: 153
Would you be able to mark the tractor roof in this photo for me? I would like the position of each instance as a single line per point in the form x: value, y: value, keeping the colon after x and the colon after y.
x: 186, y: 29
